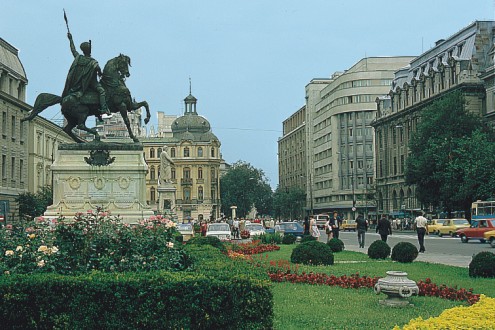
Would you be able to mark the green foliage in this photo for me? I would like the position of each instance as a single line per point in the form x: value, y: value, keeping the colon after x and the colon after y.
x: 451, y: 151
x: 312, y: 253
x: 288, y: 202
x: 245, y: 186
x: 404, y: 252
x: 91, y: 241
x: 219, y: 294
x: 33, y: 205
x: 307, y: 238
x: 208, y: 240
x: 336, y: 245
x: 269, y: 238
x: 288, y: 239
x: 379, y: 250
x: 482, y: 265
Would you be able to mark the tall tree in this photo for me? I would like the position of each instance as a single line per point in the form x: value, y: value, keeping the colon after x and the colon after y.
x: 288, y: 202
x: 245, y: 186
x: 33, y: 205
x: 441, y: 162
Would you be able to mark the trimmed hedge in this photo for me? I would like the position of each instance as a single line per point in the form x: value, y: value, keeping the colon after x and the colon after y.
x: 336, y: 245
x: 379, y: 250
x: 312, y: 253
x: 220, y: 294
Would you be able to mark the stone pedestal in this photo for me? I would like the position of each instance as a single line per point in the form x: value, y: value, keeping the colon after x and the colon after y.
x: 397, y: 287
x: 108, y: 175
x: 166, y: 192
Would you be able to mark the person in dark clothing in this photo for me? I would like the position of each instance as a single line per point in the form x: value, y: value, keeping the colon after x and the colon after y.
x: 361, y: 227
x: 334, y: 222
x: 384, y: 228
x: 306, y: 225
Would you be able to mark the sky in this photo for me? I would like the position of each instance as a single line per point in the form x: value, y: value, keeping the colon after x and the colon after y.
x: 249, y: 61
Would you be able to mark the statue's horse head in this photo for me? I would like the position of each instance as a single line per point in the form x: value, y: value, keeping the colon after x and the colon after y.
x: 123, y: 64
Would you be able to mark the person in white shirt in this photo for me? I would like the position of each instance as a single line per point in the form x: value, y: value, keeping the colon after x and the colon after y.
x: 421, y: 224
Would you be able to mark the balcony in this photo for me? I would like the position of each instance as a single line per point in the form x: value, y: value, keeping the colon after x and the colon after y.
x: 186, y: 181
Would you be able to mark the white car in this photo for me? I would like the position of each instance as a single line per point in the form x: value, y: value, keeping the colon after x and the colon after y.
x: 255, y: 229
x: 220, y: 230
x: 187, y: 231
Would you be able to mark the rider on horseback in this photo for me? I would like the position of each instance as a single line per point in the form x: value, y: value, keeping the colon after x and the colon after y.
x: 82, y: 75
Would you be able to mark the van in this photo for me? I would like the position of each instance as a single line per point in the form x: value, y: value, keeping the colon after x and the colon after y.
x: 321, y: 220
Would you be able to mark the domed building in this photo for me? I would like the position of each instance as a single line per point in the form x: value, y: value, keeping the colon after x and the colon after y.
x: 195, y: 152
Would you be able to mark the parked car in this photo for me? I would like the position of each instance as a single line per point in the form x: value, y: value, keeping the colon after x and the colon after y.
x: 186, y: 230
x: 450, y: 226
x: 255, y: 229
x: 321, y: 220
x: 293, y: 228
x: 434, y: 224
x: 348, y: 225
x: 220, y: 230
x: 490, y: 237
x: 476, y: 230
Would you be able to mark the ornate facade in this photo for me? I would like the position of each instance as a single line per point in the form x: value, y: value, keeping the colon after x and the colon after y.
x: 462, y: 62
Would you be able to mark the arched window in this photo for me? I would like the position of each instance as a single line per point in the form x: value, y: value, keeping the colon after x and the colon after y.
x: 200, y: 172
x: 187, y: 194
x: 186, y: 172
x: 212, y: 152
x: 152, y: 153
x: 213, y: 173
x: 152, y: 173
x: 186, y: 152
x: 172, y: 173
x: 200, y: 193
x: 172, y: 152
x: 159, y: 152
x: 200, y: 152
x: 152, y: 194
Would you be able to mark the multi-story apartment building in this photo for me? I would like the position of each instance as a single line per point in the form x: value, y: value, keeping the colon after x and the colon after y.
x: 463, y: 62
x: 292, y: 151
x: 339, y: 137
x: 27, y: 148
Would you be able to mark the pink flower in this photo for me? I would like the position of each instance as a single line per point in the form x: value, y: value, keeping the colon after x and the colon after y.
x: 89, y: 211
x: 9, y: 226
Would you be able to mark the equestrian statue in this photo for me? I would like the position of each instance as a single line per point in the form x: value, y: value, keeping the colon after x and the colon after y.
x: 85, y: 96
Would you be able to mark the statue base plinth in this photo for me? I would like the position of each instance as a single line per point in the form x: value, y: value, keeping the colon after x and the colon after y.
x: 107, y: 175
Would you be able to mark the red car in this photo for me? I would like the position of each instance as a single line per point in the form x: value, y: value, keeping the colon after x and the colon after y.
x: 476, y: 230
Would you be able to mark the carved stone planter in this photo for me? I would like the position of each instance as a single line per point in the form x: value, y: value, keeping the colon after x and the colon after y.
x: 397, y: 287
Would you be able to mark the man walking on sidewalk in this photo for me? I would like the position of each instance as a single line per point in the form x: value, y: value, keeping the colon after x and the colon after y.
x: 361, y: 227
x: 421, y: 225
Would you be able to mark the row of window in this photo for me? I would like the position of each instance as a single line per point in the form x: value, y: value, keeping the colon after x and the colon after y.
x: 186, y: 152
x: 359, y: 83
x: 13, y: 127
x: 186, y: 173
x: 186, y: 194
x: 12, y: 173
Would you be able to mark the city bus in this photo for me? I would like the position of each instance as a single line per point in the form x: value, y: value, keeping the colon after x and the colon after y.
x: 483, y: 210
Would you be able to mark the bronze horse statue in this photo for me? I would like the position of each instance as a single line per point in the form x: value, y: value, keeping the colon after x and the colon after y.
x: 76, y: 110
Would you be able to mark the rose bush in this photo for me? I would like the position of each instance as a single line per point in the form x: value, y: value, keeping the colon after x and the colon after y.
x: 91, y: 241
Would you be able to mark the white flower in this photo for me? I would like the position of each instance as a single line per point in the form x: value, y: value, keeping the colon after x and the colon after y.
x: 41, y: 263
x: 9, y: 253
x: 19, y: 248
x: 43, y: 248
x: 170, y: 245
x: 54, y: 249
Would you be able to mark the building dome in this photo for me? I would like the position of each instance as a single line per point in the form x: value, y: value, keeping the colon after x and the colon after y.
x: 193, y: 123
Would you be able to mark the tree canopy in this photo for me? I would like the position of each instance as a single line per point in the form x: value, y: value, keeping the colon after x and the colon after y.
x: 288, y: 202
x: 245, y: 186
x: 451, y: 156
x: 34, y: 205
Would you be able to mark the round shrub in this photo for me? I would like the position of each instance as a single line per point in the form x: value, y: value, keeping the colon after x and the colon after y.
x: 482, y: 265
x: 208, y: 240
x: 336, y: 245
x: 308, y: 238
x: 288, y: 239
x: 404, y: 252
x: 312, y: 253
x: 379, y: 250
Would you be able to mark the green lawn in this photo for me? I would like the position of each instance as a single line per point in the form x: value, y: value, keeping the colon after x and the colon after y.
x: 304, y: 306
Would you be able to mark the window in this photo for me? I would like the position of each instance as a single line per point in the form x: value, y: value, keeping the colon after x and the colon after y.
x: 4, y: 123
x: 200, y: 152
x: 186, y: 173
x: 13, y: 127
x: 172, y: 152
x: 4, y: 166
x: 159, y: 152
x: 213, y: 173
x: 395, y: 165
x: 152, y: 194
x: 360, y: 164
x: 152, y: 173
x: 402, y: 161
x: 21, y: 165
x: 187, y: 194
x: 186, y: 152
x: 350, y: 131
x: 200, y: 172
x: 12, y: 168
x: 200, y: 193
x: 212, y: 152
x: 172, y: 173
x: 152, y: 153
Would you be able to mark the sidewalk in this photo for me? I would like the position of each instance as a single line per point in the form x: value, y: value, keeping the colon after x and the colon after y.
x: 434, y: 258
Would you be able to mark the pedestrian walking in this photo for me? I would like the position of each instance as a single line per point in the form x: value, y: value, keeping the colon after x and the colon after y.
x: 328, y: 230
x: 235, y: 226
x: 335, y: 222
x: 306, y: 225
x: 384, y: 228
x: 361, y: 227
x: 421, y: 225
x: 315, y: 232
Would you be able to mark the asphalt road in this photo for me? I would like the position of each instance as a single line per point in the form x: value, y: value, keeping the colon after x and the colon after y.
x: 443, y: 250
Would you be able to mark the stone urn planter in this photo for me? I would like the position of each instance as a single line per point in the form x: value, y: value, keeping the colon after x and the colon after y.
x: 397, y: 287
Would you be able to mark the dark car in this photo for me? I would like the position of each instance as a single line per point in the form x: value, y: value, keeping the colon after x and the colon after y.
x: 293, y: 228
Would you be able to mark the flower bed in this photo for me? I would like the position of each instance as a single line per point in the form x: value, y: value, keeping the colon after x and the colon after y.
x: 254, y: 247
x: 477, y: 316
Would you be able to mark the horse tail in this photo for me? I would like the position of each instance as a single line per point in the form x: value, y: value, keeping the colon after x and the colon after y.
x: 43, y: 101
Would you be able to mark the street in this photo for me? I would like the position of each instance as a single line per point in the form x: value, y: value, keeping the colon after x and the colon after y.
x: 445, y: 250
